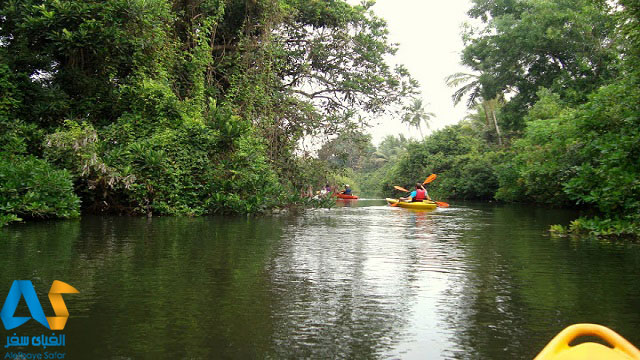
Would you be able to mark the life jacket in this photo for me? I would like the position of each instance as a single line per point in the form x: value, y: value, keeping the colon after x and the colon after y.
x: 420, y: 195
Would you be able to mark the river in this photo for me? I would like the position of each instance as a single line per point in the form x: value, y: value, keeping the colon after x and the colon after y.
x: 362, y: 280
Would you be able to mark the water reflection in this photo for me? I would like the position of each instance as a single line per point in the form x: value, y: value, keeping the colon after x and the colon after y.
x: 369, y: 281
x: 183, y: 287
x: 354, y: 285
x: 522, y: 287
x: 347, y: 203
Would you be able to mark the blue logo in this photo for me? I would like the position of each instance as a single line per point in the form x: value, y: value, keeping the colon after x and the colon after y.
x: 24, y: 288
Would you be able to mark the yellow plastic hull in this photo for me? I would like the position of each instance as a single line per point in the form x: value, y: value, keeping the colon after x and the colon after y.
x: 425, y: 205
x: 559, y: 347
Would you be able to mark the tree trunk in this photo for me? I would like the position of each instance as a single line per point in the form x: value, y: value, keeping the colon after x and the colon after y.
x: 486, y: 113
x: 495, y: 122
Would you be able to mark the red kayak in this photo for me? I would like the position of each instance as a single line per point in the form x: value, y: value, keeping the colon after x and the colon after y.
x: 343, y: 196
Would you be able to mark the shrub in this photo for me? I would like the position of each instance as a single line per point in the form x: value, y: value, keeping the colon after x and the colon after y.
x: 33, y: 188
x: 465, y: 165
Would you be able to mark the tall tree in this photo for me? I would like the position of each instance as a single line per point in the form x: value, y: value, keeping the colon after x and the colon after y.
x: 348, y: 150
x: 564, y: 45
x: 318, y: 69
x: 392, y: 147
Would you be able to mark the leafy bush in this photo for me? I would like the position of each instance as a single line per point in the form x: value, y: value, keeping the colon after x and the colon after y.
x: 185, y: 166
x: 465, y: 165
x: 32, y: 188
x: 609, y: 128
x: 543, y: 160
x: 607, y: 227
x: 77, y: 148
x: 242, y: 181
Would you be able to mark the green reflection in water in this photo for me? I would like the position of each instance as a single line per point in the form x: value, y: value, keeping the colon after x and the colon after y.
x: 473, y: 281
x: 522, y: 287
x: 171, y: 287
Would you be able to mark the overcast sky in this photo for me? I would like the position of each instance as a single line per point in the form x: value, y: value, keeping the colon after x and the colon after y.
x: 428, y: 34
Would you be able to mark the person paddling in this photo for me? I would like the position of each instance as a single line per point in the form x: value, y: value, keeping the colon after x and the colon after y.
x: 419, y: 194
x: 347, y: 190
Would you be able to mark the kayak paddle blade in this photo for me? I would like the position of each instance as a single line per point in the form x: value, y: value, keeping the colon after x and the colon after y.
x: 429, y: 179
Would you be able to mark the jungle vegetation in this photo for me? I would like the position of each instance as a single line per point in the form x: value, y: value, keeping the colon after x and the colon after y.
x: 180, y: 107
x: 554, y: 96
x: 199, y: 106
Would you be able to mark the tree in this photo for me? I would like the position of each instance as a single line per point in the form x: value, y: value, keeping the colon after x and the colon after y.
x: 415, y: 115
x: 316, y: 69
x: 348, y: 150
x: 392, y: 147
x: 472, y: 87
x: 197, y: 103
x: 563, y: 45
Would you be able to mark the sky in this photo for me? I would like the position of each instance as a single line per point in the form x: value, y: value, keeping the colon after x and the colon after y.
x: 428, y: 34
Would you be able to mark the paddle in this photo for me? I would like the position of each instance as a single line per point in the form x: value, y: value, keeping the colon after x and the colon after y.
x: 401, y: 189
x: 429, y: 179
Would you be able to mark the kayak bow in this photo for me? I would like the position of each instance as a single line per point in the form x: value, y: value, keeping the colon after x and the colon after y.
x: 559, y: 348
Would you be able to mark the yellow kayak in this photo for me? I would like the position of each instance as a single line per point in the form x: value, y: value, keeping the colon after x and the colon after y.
x: 559, y: 348
x: 424, y: 205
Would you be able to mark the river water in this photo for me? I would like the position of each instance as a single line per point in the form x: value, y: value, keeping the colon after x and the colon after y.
x: 362, y: 280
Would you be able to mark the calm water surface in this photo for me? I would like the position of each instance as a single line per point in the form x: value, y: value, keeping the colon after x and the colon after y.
x: 362, y: 280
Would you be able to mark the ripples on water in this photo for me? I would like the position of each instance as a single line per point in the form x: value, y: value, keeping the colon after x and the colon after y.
x: 370, y: 274
x: 363, y: 280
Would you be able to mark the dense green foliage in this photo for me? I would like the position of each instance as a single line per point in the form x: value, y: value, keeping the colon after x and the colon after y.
x: 563, y: 45
x: 458, y: 157
x: 574, y: 122
x: 199, y: 107
x: 32, y: 188
x: 351, y: 158
x: 187, y: 107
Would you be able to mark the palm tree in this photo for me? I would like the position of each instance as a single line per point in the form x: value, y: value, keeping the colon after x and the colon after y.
x: 415, y: 114
x: 392, y: 147
x: 472, y: 87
